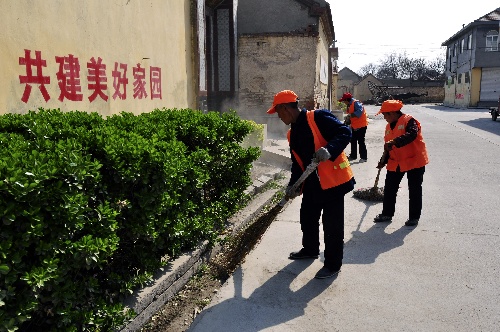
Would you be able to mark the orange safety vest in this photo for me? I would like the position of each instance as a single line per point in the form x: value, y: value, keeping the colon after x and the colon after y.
x: 410, y: 156
x: 360, y: 122
x: 331, y: 173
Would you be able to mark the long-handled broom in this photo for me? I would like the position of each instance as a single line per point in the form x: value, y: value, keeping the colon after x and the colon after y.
x: 375, y: 193
x: 309, y: 169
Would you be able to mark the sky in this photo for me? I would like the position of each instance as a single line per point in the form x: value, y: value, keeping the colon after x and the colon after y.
x: 368, y: 30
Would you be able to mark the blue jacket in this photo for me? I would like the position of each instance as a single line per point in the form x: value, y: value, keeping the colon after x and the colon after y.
x: 335, y: 132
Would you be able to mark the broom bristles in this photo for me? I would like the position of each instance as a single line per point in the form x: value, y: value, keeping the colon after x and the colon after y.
x: 370, y: 194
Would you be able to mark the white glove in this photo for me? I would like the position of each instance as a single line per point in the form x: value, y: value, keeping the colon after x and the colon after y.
x: 290, y: 194
x: 321, y: 155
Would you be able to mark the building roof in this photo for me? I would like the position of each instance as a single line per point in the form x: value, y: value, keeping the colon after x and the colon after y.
x: 347, y: 70
x: 368, y: 76
x: 322, y: 9
x: 493, y: 16
x: 319, y: 10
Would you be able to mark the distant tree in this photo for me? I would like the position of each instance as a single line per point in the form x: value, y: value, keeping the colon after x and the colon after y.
x: 419, y: 69
x: 401, y: 66
x: 437, y: 68
x: 405, y: 66
x: 368, y: 69
x: 389, y: 67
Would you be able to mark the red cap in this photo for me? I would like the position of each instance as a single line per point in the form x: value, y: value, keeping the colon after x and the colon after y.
x: 283, y: 97
x: 390, y: 105
x: 346, y: 96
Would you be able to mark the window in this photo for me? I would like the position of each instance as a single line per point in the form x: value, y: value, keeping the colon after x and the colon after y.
x: 459, y: 80
x: 469, y: 42
x: 492, y: 41
x: 462, y: 45
x: 467, y: 77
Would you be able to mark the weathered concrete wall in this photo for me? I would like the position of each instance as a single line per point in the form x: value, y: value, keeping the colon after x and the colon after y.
x: 457, y: 95
x: 449, y: 93
x: 335, y: 84
x: 323, y: 75
x: 276, y: 16
x: 269, y: 64
x: 54, y: 50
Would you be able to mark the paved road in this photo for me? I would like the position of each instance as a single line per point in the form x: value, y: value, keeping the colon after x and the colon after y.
x: 440, y: 276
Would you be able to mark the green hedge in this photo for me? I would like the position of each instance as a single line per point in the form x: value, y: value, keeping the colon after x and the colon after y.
x: 91, y: 207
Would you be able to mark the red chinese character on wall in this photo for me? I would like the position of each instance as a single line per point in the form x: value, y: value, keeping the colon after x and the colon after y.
x: 68, y: 78
x: 155, y: 82
x: 97, y: 79
x: 139, y: 82
x: 29, y: 79
x: 120, y: 80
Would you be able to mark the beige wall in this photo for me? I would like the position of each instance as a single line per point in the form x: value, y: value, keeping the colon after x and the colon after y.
x: 361, y: 91
x: 475, y: 86
x: 154, y: 33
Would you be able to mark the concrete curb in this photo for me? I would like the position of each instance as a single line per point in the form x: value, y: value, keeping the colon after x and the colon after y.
x: 147, y: 301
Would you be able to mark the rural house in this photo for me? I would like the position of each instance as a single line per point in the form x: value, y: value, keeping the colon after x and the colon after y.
x: 473, y: 64
x: 372, y: 90
x: 284, y: 44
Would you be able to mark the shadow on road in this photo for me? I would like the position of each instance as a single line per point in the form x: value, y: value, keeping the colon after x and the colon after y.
x: 455, y: 110
x: 484, y: 124
x: 271, y: 304
x: 365, y: 247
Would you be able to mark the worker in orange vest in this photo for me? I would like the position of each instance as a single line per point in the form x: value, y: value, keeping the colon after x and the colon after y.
x: 317, y: 136
x: 407, y: 154
x: 357, y: 118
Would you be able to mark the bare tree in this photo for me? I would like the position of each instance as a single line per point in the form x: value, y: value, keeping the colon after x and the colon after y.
x: 401, y: 66
x: 368, y: 69
x: 405, y: 66
x: 419, y: 70
x: 437, y: 68
x: 389, y: 67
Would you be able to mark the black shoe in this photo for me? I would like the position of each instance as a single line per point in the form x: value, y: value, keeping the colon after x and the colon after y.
x: 326, y: 273
x: 352, y: 158
x: 382, y: 218
x: 301, y: 254
x: 411, y: 222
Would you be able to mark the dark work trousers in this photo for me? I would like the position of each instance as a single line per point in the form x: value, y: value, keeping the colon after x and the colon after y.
x: 392, y: 181
x: 358, y: 137
x: 331, y: 202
